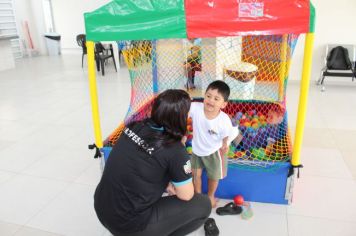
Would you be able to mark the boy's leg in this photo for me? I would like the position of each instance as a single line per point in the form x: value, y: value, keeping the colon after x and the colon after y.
x: 197, y: 179
x: 212, y: 186
x: 193, y: 76
x: 190, y: 80
x: 216, y: 168
x: 197, y: 167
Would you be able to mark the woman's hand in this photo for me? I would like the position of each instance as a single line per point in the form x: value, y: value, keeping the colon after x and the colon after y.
x: 184, y: 140
x: 170, y: 189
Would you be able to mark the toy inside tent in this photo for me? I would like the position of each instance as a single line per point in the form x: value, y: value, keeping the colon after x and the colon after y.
x: 248, y: 44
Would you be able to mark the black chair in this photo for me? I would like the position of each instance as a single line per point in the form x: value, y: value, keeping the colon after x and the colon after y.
x: 339, y: 62
x: 101, y: 55
x: 81, y: 40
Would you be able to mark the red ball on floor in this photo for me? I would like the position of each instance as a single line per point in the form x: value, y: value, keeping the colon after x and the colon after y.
x: 238, y: 200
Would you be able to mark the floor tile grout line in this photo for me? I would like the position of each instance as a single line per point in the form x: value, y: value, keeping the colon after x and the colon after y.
x: 328, y: 177
x: 322, y: 218
x: 24, y: 226
x: 47, y: 204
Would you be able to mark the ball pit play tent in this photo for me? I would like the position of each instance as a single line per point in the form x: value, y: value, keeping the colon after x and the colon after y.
x: 187, y: 44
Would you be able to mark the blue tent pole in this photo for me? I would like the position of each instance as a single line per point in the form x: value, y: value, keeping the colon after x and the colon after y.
x: 154, y: 67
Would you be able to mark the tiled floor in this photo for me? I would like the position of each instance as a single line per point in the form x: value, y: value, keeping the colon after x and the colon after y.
x: 47, y: 174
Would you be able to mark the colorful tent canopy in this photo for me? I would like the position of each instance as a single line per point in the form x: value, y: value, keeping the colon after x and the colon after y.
x: 158, y: 19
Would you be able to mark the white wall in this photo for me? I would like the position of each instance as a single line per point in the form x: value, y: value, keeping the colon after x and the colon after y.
x: 335, y: 23
x: 32, y: 12
x: 69, y: 19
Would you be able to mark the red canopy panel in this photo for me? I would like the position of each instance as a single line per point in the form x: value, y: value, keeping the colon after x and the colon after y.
x: 217, y: 18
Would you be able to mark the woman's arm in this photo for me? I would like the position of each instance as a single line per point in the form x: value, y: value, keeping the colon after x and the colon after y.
x: 170, y: 189
x: 185, y: 192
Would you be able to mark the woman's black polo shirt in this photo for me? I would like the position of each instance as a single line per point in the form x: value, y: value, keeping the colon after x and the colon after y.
x: 135, y: 177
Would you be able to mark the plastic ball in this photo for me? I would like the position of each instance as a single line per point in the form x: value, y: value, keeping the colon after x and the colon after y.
x: 254, y: 125
x: 249, y: 129
x: 238, y: 115
x: 190, y: 128
x: 242, y: 121
x: 247, y: 124
x: 230, y: 154
x: 255, y: 119
x: 189, y: 122
x: 239, y: 200
x: 188, y: 143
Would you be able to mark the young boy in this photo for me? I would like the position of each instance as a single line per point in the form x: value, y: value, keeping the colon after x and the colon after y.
x: 192, y: 64
x: 211, y: 130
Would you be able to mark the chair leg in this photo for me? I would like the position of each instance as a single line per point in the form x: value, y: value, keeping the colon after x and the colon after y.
x: 97, y: 64
x: 322, y: 83
x: 102, y: 67
x: 82, y: 59
x: 318, y: 82
x: 113, y: 58
x: 322, y: 80
x: 120, y: 56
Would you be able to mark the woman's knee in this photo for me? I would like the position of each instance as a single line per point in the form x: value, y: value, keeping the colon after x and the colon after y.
x: 201, y: 205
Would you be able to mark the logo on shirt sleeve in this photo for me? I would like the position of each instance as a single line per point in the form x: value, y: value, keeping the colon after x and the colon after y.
x: 187, y: 167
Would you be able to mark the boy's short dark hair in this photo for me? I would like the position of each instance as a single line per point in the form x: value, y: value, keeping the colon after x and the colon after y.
x: 222, y: 88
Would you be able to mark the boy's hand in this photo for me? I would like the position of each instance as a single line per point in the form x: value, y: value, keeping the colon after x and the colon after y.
x: 224, y: 149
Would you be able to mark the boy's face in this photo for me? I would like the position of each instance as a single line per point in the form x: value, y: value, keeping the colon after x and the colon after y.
x: 214, y: 101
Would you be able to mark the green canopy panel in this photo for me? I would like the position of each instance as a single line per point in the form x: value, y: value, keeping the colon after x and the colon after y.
x: 136, y: 19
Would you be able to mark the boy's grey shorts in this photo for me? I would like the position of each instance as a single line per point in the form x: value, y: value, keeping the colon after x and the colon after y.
x: 215, y: 164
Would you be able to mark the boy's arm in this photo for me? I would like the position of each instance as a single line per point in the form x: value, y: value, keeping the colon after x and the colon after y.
x: 238, y: 139
x: 224, y: 148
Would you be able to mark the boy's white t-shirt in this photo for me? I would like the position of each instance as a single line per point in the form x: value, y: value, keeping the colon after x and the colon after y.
x: 208, y: 134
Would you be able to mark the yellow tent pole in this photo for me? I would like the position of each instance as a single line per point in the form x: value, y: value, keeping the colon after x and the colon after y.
x: 94, y: 94
x: 303, y: 98
x: 282, y: 72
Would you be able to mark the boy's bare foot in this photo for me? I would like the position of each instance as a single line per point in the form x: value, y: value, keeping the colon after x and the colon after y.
x: 213, y: 201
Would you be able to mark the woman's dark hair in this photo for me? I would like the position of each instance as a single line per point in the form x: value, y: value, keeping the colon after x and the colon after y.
x: 222, y: 88
x: 168, y: 119
x: 170, y: 111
